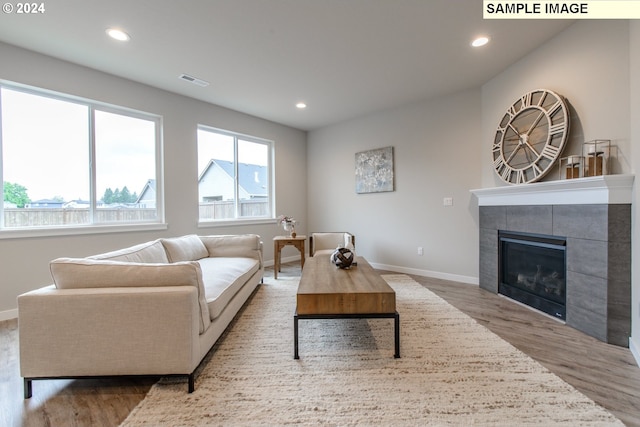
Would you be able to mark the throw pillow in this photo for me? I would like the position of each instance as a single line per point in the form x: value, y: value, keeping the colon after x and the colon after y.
x: 185, y: 248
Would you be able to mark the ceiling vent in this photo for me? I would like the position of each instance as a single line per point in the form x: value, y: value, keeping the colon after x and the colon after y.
x: 193, y: 80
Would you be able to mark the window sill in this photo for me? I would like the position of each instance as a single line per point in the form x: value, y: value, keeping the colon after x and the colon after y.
x: 236, y: 222
x: 21, y: 233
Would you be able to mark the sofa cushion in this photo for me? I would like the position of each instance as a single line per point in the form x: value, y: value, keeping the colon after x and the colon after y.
x: 223, y: 278
x: 149, y: 252
x: 244, y: 245
x: 185, y: 248
x: 73, y: 273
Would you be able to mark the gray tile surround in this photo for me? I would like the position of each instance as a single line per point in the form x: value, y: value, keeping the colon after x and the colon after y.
x: 598, y: 260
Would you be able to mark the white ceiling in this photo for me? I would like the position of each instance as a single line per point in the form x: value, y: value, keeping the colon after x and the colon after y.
x: 344, y: 58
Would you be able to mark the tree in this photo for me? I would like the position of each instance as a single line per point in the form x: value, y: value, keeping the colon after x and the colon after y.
x: 125, y: 196
x: 119, y: 196
x: 15, y: 193
x: 108, y: 196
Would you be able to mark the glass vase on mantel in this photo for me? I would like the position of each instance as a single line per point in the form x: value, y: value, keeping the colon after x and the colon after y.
x: 290, y: 226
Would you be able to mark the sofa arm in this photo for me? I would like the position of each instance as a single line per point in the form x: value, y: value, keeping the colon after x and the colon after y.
x: 244, y: 245
x: 108, y: 331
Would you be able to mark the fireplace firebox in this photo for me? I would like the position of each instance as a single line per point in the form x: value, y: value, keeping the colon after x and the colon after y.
x: 532, y: 270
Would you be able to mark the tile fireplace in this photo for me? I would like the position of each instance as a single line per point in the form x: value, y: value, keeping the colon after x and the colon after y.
x: 590, y: 219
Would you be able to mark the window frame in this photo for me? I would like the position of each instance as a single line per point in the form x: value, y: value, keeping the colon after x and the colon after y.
x: 270, y: 217
x: 91, y: 227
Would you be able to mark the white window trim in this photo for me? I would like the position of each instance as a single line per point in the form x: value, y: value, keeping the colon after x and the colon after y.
x: 234, y: 222
x: 227, y: 222
x: 32, y: 232
x: 91, y: 228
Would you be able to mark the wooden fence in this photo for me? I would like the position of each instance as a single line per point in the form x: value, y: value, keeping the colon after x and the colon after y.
x: 44, y: 217
x: 226, y: 210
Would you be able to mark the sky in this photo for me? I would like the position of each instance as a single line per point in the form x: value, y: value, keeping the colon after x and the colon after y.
x: 46, y: 148
x: 212, y: 145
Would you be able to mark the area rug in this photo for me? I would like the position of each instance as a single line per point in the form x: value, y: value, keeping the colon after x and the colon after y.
x: 452, y: 372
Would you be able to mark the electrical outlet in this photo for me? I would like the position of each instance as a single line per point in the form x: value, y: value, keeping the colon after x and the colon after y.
x: 448, y: 201
x: 420, y: 250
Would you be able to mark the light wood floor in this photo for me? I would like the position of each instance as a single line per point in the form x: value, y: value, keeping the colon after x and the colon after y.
x: 607, y: 374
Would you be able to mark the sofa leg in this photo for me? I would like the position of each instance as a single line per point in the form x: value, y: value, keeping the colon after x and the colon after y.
x: 28, y: 390
x: 192, y: 383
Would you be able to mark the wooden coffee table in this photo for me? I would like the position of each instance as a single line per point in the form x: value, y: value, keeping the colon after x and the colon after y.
x: 328, y: 292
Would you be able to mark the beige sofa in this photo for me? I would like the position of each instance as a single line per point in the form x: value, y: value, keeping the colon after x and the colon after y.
x: 152, y: 309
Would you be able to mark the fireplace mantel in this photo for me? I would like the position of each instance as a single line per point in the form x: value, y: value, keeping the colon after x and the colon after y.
x: 598, y: 245
x: 607, y: 189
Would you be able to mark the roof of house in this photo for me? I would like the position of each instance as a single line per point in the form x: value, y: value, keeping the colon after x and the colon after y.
x: 51, y: 203
x: 252, y: 178
x: 149, y: 185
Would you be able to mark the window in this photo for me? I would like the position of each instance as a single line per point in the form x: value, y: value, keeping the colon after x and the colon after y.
x: 234, y: 176
x: 68, y: 162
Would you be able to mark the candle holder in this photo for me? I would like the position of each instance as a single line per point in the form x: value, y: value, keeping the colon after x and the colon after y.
x: 597, y: 153
x: 571, y: 167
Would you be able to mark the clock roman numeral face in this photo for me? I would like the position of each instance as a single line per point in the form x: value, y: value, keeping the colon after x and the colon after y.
x: 530, y: 137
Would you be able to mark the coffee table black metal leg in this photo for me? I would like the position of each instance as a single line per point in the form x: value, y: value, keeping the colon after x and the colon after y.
x: 295, y: 336
x: 397, y: 335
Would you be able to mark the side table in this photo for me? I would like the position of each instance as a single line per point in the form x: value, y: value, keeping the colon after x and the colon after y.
x: 280, y: 242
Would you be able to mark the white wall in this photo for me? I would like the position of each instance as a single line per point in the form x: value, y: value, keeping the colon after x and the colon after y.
x: 437, y: 153
x: 588, y: 64
x: 24, y: 262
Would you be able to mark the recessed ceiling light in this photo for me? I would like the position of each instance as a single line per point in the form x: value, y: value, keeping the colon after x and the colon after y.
x: 480, y: 41
x: 118, y: 34
x: 301, y: 105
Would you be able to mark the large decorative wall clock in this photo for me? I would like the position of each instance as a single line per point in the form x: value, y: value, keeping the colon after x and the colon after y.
x: 530, y: 137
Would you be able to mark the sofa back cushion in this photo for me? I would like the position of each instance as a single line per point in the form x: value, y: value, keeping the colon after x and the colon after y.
x: 74, y: 273
x: 149, y: 252
x: 241, y: 245
x: 185, y: 248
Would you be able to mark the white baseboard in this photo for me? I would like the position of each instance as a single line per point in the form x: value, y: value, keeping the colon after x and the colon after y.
x: 427, y: 273
x: 418, y: 272
x: 8, y: 314
x: 635, y: 350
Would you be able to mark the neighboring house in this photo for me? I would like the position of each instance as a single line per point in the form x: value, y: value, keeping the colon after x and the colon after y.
x: 77, y: 204
x: 216, y: 182
x: 58, y: 204
x: 45, y: 203
x: 147, y: 198
x: 9, y: 204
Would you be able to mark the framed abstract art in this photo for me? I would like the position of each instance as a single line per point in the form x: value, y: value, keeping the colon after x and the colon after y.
x: 374, y: 171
